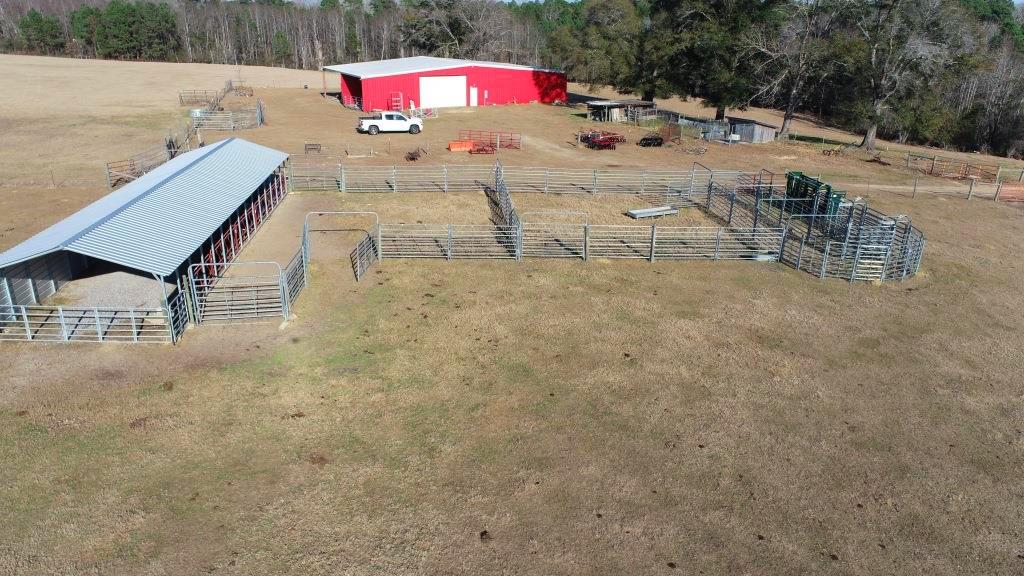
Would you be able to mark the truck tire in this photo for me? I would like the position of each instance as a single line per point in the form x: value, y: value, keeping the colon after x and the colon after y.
x: 373, y: 130
x: 414, y: 129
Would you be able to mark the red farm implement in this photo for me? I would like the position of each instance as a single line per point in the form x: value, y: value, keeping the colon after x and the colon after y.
x: 600, y: 139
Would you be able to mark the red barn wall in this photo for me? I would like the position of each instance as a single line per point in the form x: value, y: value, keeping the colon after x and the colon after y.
x: 494, y: 86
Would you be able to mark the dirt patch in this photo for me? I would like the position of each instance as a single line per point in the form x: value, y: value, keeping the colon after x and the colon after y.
x: 318, y: 460
x: 140, y: 423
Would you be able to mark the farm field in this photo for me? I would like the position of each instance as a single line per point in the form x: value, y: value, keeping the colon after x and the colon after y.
x: 534, y: 417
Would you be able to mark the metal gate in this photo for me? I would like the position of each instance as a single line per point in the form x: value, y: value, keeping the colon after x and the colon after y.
x: 260, y: 292
x: 366, y: 252
x: 872, y: 252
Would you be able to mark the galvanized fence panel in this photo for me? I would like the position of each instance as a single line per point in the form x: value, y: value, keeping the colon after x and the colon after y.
x: 196, y: 97
x: 612, y: 241
x: 450, y: 242
x: 227, y: 121
x: 541, y: 240
x: 242, y: 119
x: 481, y: 241
x: 95, y: 324
x: 295, y: 275
x: 314, y: 179
x: 688, y: 243
x: 414, y: 241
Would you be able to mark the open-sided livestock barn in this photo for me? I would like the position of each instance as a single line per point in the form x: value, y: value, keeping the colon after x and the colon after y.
x: 198, y: 208
x: 429, y: 82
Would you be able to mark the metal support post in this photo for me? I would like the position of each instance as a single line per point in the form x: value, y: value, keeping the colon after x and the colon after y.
x: 586, y: 242
x: 63, y: 324
x: 654, y: 240
x: 167, y: 308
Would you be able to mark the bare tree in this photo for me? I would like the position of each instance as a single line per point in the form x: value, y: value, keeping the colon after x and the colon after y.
x: 897, y: 34
x: 798, y: 57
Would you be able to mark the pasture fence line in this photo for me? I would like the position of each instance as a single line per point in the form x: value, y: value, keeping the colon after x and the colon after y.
x: 579, y: 241
x: 121, y: 172
x: 944, y: 167
x: 520, y: 179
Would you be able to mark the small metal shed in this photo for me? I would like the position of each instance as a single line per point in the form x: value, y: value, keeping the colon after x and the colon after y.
x: 620, y: 110
x: 752, y: 131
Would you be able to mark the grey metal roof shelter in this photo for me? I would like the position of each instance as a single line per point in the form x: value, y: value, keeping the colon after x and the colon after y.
x: 156, y: 222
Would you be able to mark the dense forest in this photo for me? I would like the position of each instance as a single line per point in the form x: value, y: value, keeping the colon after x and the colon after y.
x: 941, y: 72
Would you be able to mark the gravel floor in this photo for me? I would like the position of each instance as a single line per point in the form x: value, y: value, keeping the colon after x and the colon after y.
x: 110, y: 286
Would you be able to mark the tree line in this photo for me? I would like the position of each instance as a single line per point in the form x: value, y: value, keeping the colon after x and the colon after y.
x: 940, y: 72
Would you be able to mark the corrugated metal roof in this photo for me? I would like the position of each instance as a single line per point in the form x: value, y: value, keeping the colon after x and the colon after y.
x: 413, y: 64
x: 155, y: 222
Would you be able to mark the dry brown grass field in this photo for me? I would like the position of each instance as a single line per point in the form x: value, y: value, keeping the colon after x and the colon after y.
x: 490, y: 417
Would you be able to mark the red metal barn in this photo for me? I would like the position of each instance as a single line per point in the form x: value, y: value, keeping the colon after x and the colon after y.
x: 428, y: 82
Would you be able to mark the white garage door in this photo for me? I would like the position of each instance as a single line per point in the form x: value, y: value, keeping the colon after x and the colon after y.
x: 442, y: 91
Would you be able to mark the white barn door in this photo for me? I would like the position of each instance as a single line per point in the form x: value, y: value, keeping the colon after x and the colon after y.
x: 442, y: 91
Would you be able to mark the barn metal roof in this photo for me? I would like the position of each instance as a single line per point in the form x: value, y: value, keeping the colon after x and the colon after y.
x: 413, y: 64
x: 154, y: 223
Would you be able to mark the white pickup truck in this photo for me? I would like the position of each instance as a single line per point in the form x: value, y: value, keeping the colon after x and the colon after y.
x: 389, y: 122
